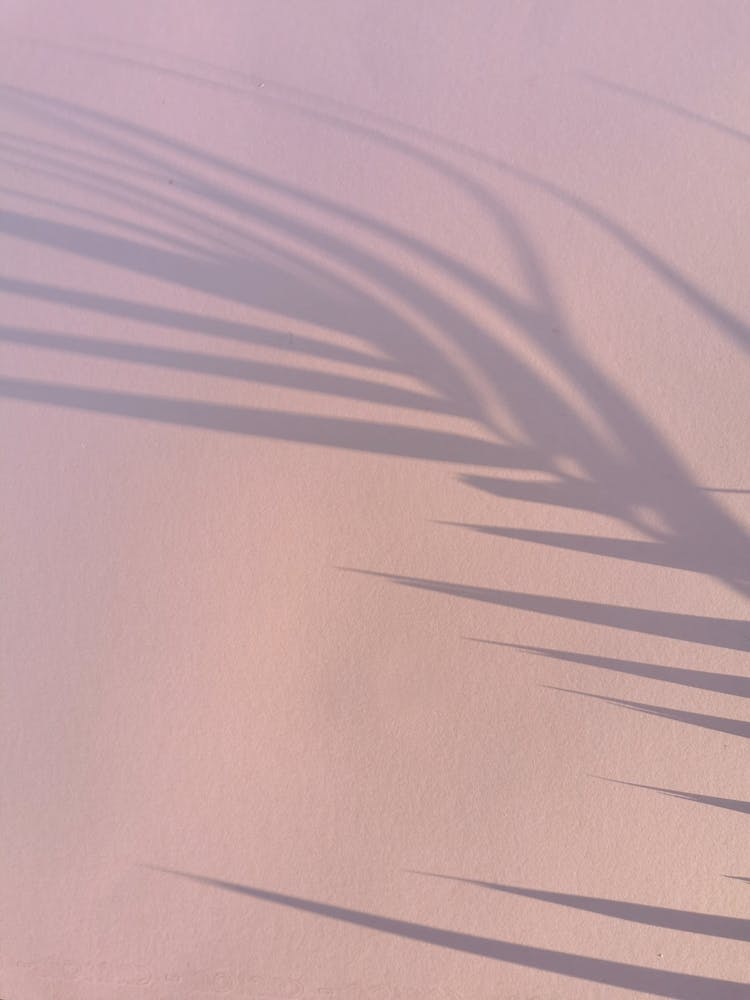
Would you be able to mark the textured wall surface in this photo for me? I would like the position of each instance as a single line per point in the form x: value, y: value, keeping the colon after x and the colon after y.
x: 375, y: 499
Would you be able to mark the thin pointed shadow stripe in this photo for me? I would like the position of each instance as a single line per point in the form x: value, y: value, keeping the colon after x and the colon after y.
x: 330, y: 432
x: 729, y: 633
x: 734, y: 727
x: 734, y: 805
x: 712, y: 925
x: 738, y: 878
x: 234, y: 368
x: 673, y: 553
x: 732, y: 684
x: 677, y: 985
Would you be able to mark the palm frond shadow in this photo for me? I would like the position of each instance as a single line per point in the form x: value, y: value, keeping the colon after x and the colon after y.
x: 655, y: 982
x: 304, y: 282
x: 332, y: 282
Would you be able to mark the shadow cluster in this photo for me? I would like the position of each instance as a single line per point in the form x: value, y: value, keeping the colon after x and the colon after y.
x: 340, y: 296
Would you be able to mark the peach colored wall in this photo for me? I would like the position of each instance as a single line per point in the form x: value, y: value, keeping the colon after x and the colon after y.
x: 375, y: 493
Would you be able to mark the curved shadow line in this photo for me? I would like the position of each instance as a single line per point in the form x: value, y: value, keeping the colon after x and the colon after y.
x: 295, y: 99
x: 659, y: 102
x: 730, y: 322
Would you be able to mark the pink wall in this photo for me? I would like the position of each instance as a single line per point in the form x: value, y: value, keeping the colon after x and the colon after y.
x: 376, y: 500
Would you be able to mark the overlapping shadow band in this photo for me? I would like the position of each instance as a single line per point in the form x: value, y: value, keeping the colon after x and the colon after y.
x: 680, y: 503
